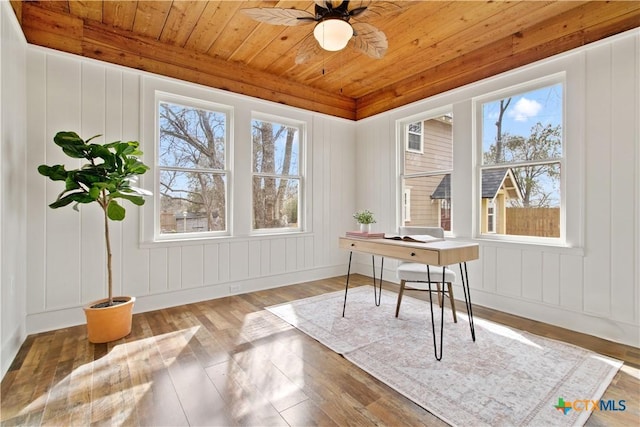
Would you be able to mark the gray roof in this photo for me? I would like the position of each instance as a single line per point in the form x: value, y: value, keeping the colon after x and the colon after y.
x: 443, y: 190
x: 491, y: 181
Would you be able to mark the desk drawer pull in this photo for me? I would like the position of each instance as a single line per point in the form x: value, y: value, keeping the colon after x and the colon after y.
x: 413, y: 254
x: 353, y: 244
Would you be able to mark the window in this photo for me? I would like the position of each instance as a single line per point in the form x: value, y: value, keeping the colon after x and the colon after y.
x: 491, y: 217
x: 192, y: 166
x: 277, y: 174
x: 406, y: 205
x: 414, y: 137
x: 426, y: 173
x: 521, y: 164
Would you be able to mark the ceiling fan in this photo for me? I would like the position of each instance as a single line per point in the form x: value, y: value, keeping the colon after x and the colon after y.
x: 333, y: 29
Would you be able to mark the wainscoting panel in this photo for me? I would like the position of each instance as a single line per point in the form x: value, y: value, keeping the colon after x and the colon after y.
x: 211, y: 270
x: 193, y: 266
x: 63, y: 250
x: 570, y: 281
x: 625, y: 177
x: 174, y: 267
x: 598, y: 181
x: 550, y: 277
x: 489, y: 261
x: 508, y: 277
x: 239, y: 260
x: 532, y: 275
x: 158, y: 277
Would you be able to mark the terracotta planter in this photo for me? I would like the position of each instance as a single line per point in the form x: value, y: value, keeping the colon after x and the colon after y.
x: 108, y: 324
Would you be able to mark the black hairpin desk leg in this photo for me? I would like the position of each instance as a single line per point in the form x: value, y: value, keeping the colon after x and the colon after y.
x: 377, y: 297
x: 433, y: 323
x: 467, y: 299
x: 377, y: 287
x: 346, y: 289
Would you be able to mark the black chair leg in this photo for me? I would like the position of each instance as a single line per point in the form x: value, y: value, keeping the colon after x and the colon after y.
x: 400, y: 293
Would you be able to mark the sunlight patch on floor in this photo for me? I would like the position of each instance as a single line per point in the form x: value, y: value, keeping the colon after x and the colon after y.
x: 505, y: 332
x: 96, y: 384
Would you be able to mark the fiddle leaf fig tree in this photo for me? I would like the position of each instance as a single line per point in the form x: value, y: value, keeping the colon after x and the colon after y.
x: 107, y: 175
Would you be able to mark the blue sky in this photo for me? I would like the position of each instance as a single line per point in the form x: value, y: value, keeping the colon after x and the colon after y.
x: 525, y: 110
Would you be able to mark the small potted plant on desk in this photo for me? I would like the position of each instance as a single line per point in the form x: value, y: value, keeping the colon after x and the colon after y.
x: 365, y: 218
x: 108, y: 175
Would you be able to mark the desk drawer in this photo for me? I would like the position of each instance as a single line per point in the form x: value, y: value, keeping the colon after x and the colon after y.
x: 397, y: 251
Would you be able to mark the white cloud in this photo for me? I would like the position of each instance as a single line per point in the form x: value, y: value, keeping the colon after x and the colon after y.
x: 525, y: 109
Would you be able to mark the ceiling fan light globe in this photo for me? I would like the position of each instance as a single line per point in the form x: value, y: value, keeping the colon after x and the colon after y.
x: 333, y: 34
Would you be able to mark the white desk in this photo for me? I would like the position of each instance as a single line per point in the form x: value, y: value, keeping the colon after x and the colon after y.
x: 437, y: 253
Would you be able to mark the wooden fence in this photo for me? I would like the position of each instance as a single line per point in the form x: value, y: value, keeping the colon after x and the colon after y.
x: 541, y: 222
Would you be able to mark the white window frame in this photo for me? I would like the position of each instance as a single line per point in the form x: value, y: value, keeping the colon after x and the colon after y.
x: 515, y: 90
x: 302, y: 137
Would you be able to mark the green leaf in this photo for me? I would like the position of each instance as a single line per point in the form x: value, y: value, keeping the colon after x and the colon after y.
x: 55, y: 173
x: 115, y: 212
x: 94, y: 192
x: 71, y: 144
x: 72, y: 197
x: 60, y: 203
x: 133, y: 198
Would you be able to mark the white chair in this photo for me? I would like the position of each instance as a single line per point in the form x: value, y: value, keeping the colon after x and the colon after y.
x: 410, y: 272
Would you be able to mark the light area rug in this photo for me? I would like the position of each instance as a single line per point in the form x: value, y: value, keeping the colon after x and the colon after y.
x: 506, y: 378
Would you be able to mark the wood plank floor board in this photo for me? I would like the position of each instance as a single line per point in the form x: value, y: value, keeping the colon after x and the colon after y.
x: 230, y: 362
x: 244, y: 394
x: 307, y: 413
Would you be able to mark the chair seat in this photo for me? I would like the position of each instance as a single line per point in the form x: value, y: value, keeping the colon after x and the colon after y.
x: 415, y: 272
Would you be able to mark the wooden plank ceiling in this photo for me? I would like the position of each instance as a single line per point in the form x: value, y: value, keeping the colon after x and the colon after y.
x: 434, y: 46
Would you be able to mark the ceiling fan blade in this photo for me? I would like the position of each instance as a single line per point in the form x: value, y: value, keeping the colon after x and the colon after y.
x: 277, y: 16
x: 308, y: 49
x: 379, y: 8
x: 369, y: 40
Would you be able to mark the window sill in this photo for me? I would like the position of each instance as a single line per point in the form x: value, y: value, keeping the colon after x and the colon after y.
x: 529, y: 245
x: 193, y: 241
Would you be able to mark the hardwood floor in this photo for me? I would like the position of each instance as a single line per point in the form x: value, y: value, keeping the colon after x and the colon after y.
x: 229, y: 362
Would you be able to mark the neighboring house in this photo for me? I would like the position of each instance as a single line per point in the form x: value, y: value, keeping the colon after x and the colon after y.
x: 498, y: 186
x: 428, y: 156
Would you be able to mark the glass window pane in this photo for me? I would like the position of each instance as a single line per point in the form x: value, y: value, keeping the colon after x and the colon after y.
x: 430, y: 201
x: 276, y: 148
x: 192, y: 202
x: 275, y: 202
x: 415, y: 142
x: 523, y: 127
x: 526, y: 200
x: 191, y: 137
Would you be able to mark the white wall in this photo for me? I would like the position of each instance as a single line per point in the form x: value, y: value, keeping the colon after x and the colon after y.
x: 65, y: 248
x: 13, y: 108
x: 592, y: 285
